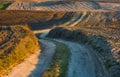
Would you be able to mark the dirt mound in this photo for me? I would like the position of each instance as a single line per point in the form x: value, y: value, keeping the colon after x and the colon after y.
x: 63, y: 5
x: 16, y: 43
x: 91, y: 13
x: 100, y: 18
x: 104, y: 40
x: 8, y: 17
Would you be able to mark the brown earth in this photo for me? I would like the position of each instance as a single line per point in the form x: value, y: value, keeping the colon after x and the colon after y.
x: 104, y: 40
x: 16, y: 43
x: 96, y: 23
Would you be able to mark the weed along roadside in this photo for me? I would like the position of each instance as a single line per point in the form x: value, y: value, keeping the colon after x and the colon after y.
x: 59, y: 38
x: 15, y: 52
x: 98, y: 42
x: 4, y: 5
x: 59, y: 64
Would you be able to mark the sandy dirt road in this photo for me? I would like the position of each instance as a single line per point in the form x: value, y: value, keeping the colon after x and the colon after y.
x: 36, y: 64
x: 62, y: 5
x: 81, y: 63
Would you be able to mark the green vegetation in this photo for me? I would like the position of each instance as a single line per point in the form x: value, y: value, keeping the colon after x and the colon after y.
x: 108, y: 64
x: 4, y: 5
x: 69, y: 34
x: 59, y: 64
x: 16, y: 43
x: 38, y: 35
x: 104, y: 40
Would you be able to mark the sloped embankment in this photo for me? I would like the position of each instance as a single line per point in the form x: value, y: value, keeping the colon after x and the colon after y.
x: 102, y: 39
x: 52, y: 5
x: 95, y: 18
x: 64, y: 5
x: 16, y: 43
x: 35, y: 64
x: 4, y: 5
x: 36, y: 19
x: 100, y: 18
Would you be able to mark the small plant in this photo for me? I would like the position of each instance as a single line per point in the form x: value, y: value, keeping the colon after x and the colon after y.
x: 4, y: 5
x: 1, y: 56
x: 38, y: 35
x: 18, y: 43
x: 108, y: 63
x: 59, y: 64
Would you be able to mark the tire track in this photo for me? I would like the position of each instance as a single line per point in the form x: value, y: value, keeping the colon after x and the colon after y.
x: 36, y: 64
x: 64, y: 6
x: 81, y: 63
x: 83, y: 17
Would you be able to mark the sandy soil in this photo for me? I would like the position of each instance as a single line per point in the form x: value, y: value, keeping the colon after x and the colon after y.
x: 42, y: 31
x: 61, y: 5
x: 78, y: 20
x: 81, y: 63
x: 36, y: 64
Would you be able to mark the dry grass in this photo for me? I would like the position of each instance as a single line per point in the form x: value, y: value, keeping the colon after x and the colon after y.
x: 111, y: 34
x: 105, y: 40
x: 101, y: 18
x: 59, y: 64
x: 16, y: 43
x: 110, y: 57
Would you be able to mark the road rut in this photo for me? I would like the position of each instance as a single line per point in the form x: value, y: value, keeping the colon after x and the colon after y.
x: 81, y: 63
x: 36, y: 64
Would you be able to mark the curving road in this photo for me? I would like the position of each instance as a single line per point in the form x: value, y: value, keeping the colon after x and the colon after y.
x: 81, y: 63
x: 62, y: 5
x: 36, y: 64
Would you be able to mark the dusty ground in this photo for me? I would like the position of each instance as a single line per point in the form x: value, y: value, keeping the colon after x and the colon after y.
x: 103, y: 39
x: 77, y: 59
x: 62, y: 5
x: 81, y: 63
x: 36, y: 64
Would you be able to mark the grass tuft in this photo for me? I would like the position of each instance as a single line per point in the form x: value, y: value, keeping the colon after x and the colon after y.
x: 16, y: 44
x: 4, y: 5
x: 59, y: 64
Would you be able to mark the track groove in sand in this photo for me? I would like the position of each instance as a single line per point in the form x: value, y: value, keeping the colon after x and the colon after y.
x: 36, y: 64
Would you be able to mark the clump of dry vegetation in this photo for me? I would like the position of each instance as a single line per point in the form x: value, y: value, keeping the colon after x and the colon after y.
x: 105, y: 40
x: 110, y: 49
x: 16, y: 43
x: 59, y: 64
x: 101, y: 18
